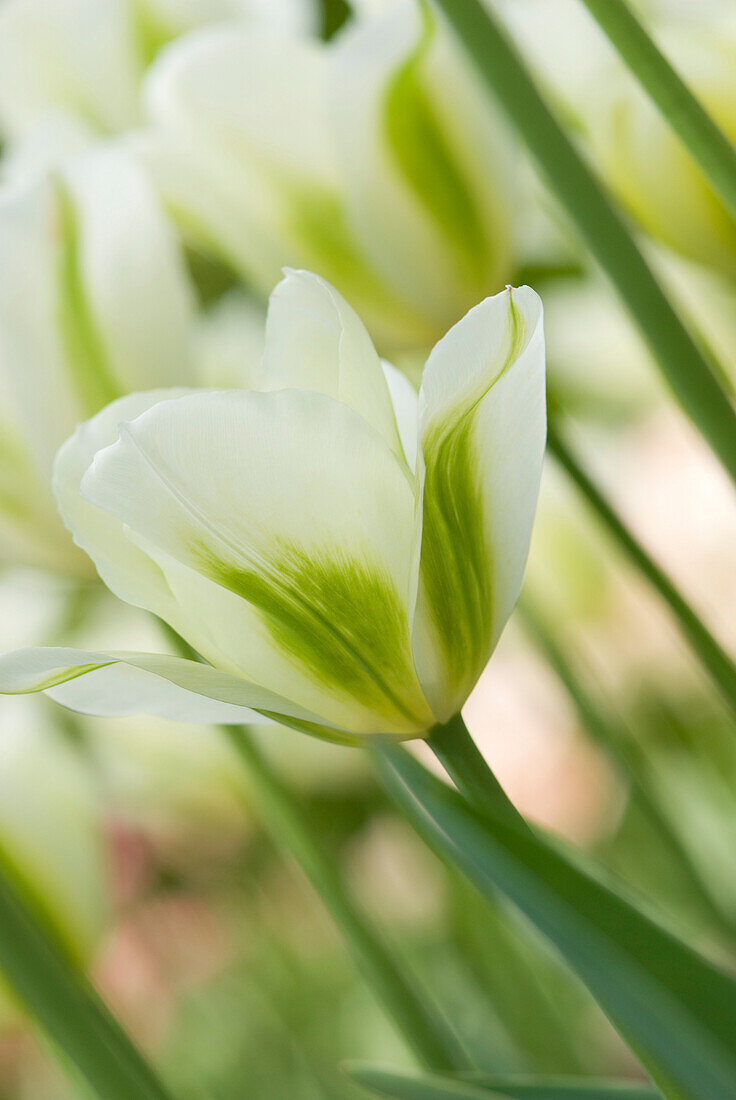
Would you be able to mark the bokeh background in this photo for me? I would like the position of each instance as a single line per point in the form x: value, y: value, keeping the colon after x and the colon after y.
x: 140, y: 840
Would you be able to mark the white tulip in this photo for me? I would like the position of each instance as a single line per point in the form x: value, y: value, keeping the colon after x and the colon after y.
x: 343, y: 554
x: 87, y: 58
x: 94, y: 302
x: 348, y: 158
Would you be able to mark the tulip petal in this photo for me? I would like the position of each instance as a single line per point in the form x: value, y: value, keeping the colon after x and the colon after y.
x: 405, y: 401
x: 482, y: 432
x: 124, y: 568
x: 422, y: 179
x: 237, y: 123
x: 93, y: 297
x: 117, y: 683
x: 288, y: 533
x: 243, y: 151
x: 79, y: 55
x: 316, y: 341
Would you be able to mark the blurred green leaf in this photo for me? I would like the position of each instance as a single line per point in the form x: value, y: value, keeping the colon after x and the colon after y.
x: 675, y: 1010
x: 699, y: 133
x: 401, y: 1086
x: 713, y: 657
x: 88, y: 1037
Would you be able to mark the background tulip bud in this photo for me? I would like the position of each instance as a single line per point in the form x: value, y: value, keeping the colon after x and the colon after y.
x: 86, y: 58
x: 94, y: 302
x: 347, y: 158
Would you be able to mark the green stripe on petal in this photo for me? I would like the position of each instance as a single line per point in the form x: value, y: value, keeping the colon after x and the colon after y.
x: 456, y: 558
x: 288, y: 534
x: 482, y: 440
x: 337, y: 616
x: 85, y: 357
x: 421, y: 152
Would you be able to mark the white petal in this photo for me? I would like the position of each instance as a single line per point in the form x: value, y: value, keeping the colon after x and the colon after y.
x: 80, y: 55
x: 125, y: 569
x: 482, y: 430
x: 133, y: 271
x: 423, y: 174
x: 405, y: 401
x: 238, y: 129
x: 316, y: 341
x: 117, y: 684
x: 93, y: 296
x: 303, y: 528
x: 242, y: 149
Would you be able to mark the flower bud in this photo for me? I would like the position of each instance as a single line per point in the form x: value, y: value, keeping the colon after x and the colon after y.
x: 94, y: 303
x: 86, y: 58
x: 347, y: 158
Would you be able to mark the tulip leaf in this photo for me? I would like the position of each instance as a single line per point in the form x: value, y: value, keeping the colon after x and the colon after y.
x: 675, y: 1009
x: 404, y: 1086
x: 38, y: 971
x: 705, y: 141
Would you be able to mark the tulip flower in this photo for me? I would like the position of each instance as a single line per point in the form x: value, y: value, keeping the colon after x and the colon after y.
x: 342, y: 553
x: 348, y: 158
x: 86, y: 58
x: 94, y: 302
x: 645, y: 161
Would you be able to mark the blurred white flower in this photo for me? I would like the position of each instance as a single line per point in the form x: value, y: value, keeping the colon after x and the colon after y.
x: 345, y: 555
x: 348, y: 158
x: 94, y: 302
x: 86, y: 58
x: 645, y: 161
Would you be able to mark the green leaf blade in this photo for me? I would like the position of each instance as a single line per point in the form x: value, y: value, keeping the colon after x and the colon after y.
x: 404, y: 1086
x: 676, y: 1011
x: 51, y: 989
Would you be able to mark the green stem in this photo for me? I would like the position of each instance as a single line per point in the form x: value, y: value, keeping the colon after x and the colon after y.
x: 67, y: 1008
x: 590, y: 209
x: 714, y: 659
x: 691, y: 122
x: 459, y: 755
x: 421, y: 1024
x: 629, y: 760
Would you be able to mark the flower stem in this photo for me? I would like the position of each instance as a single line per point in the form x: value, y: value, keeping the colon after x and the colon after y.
x: 422, y: 1025
x: 600, y: 225
x: 691, y: 122
x: 49, y: 987
x: 459, y: 755
x: 712, y: 656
